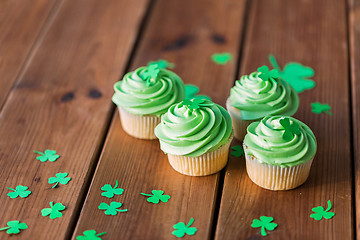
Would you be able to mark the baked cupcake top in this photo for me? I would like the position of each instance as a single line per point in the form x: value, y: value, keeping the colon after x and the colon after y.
x: 148, y: 90
x: 281, y: 141
x: 193, y: 127
x: 263, y: 93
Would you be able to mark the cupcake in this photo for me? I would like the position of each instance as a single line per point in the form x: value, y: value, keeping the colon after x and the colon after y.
x: 279, y: 151
x: 257, y: 95
x: 196, y: 135
x: 143, y: 95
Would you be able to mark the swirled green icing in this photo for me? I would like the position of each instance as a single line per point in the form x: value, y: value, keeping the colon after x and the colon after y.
x: 143, y: 92
x: 193, y: 127
x: 256, y: 98
x: 266, y: 141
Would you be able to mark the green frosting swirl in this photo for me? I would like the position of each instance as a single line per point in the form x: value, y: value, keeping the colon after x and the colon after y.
x: 256, y: 98
x: 148, y: 91
x: 194, y: 127
x: 266, y: 141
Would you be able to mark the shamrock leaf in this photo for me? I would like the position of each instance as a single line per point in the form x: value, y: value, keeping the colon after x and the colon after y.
x: 156, y: 196
x: 320, y: 213
x: 162, y: 63
x: 19, y: 191
x: 290, y: 130
x: 47, y: 155
x: 295, y: 74
x: 14, y: 227
x: 110, y: 191
x: 150, y: 74
x: 238, y: 151
x: 193, y: 104
x: 191, y: 91
x: 319, y: 108
x: 54, y: 210
x: 266, y: 74
x: 60, y: 178
x: 111, y: 209
x: 265, y: 223
x: 221, y: 58
x: 182, y: 229
x: 90, y: 235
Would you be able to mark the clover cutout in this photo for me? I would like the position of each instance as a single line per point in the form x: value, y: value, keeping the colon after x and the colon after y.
x: 162, y: 63
x: 238, y: 151
x: 150, y: 74
x: 14, y: 227
x: 265, y: 223
x: 191, y: 92
x: 156, y: 196
x: 182, y: 229
x: 90, y: 235
x: 319, y: 108
x: 110, y: 191
x: 320, y: 213
x: 19, y: 191
x: 54, y: 211
x: 193, y: 104
x: 60, y: 178
x: 266, y: 74
x: 111, y: 209
x: 47, y: 155
x: 290, y: 130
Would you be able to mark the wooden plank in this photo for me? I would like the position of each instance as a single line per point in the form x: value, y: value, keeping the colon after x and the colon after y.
x: 63, y: 102
x: 188, y: 39
x: 306, y: 32
x: 20, y: 24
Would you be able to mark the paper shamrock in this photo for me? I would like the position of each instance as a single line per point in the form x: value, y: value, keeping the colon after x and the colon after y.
x: 319, y: 108
x: 238, y: 151
x: 221, y: 58
x: 150, y: 74
x: 162, y: 63
x: 290, y: 130
x: 54, y: 210
x: 182, y: 229
x: 110, y: 191
x: 60, y: 178
x: 14, y: 227
x: 295, y: 74
x: 156, y: 196
x: 266, y: 74
x: 47, y: 155
x: 320, y: 213
x: 191, y: 91
x: 19, y: 191
x: 90, y: 235
x: 111, y: 209
x: 265, y: 223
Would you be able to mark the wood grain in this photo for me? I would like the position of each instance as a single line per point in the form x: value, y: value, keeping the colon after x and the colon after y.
x: 306, y: 32
x: 186, y: 33
x: 63, y: 101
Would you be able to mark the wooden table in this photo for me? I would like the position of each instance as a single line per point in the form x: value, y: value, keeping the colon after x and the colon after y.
x: 59, y: 60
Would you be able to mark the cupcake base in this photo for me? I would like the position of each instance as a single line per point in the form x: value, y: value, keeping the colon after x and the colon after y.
x: 139, y: 126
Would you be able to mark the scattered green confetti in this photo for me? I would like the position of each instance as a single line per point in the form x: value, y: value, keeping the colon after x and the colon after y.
x: 110, y: 191
x: 221, y: 58
x: 194, y: 103
x: 54, y: 210
x: 150, y: 74
x: 290, y: 130
x: 156, y: 196
x: 182, y: 229
x: 319, y: 108
x: 238, y: 151
x: 295, y: 74
x: 111, y: 209
x: 60, y: 178
x: 19, y: 191
x: 162, y: 63
x: 47, y: 155
x: 90, y: 235
x: 192, y: 90
x: 14, y: 227
x: 265, y: 223
x: 266, y: 74
x: 320, y: 213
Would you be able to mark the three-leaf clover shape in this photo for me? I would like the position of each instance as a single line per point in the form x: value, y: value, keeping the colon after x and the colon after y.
x: 221, y: 58
x: 290, y: 129
x: 156, y: 196
x: 19, y: 191
x: 110, y: 191
x: 182, y: 229
x: 194, y: 103
x: 192, y: 90
x: 265, y: 223
x: 14, y: 227
x: 60, y: 178
x: 54, y: 210
x: 319, y: 108
x: 90, y: 235
x: 320, y: 213
x: 162, y: 63
x: 238, y: 151
x: 47, y: 155
x: 150, y: 74
x: 111, y: 209
x: 266, y: 74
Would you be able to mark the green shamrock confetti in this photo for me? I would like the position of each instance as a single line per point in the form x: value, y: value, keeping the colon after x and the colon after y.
x: 194, y: 103
x: 19, y: 191
x: 162, y: 63
x: 265, y: 223
x: 266, y: 74
x: 319, y: 108
x: 14, y: 227
x: 238, y: 151
x: 191, y: 91
x: 90, y: 235
x: 290, y: 130
x: 110, y: 191
x: 111, y: 209
x: 54, y: 210
x: 182, y: 229
x: 221, y: 58
x: 60, y: 178
x: 150, y: 74
x: 156, y: 196
x: 295, y: 74
x: 47, y: 155
x: 320, y: 213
